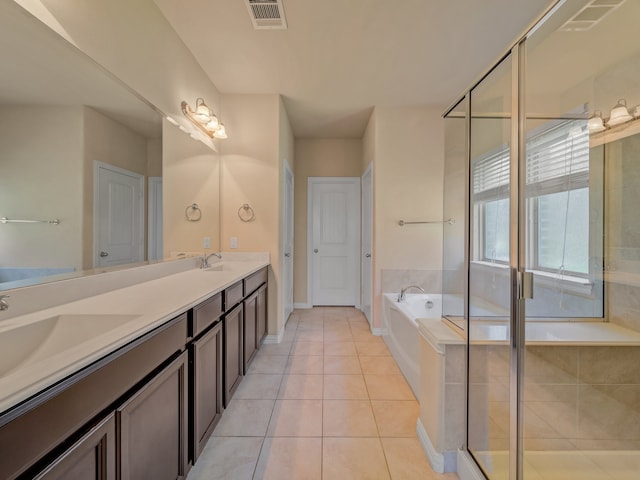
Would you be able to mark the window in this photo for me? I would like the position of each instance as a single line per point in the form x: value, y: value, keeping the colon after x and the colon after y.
x: 557, y: 193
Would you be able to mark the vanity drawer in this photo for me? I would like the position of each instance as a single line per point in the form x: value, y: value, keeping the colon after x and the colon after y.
x: 253, y: 281
x: 233, y: 295
x: 206, y: 314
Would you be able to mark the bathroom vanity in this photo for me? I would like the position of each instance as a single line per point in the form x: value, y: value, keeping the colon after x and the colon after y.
x: 145, y: 403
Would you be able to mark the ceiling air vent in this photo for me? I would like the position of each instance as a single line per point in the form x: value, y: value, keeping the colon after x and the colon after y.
x: 590, y: 15
x: 266, y: 14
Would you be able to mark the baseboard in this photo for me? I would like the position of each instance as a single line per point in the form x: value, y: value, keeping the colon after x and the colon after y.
x: 302, y: 306
x: 435, y: 458
x: 274, y: 338
x: 379, y: 331
x: 445, y: 462
x: 467, y: 468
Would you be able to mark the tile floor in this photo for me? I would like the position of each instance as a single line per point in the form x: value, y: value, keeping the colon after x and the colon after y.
x: 327, y: 403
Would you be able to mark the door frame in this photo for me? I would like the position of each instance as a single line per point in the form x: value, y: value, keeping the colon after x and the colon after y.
x: 96, y: 201
x: 369, y: 201
x: 324, y: 180
x: 287, y: 173
x: 154, y: 251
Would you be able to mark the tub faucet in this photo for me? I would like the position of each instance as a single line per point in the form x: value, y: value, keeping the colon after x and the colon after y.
x: 204, y: 263
x: 404, y: 290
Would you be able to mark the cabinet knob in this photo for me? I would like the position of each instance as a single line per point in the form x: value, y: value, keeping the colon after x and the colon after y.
x: 368, y: 255
x: 104, y: 254
x: 315, y: 250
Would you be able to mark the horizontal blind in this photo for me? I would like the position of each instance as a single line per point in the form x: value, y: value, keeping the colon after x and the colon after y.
x: 557, y: 160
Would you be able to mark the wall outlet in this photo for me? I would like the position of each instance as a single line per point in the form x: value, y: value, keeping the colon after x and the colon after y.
x: 234, y: 242
x: 206, y: 242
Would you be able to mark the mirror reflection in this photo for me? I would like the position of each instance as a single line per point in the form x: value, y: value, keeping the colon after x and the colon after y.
x: 76, y: 148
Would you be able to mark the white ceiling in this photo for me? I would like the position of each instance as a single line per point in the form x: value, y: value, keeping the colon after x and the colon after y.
x: 340, y: 58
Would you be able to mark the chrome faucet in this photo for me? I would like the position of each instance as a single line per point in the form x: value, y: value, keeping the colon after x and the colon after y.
x: 404, y: 290
x: 4, y: 305
x: 204, y: 262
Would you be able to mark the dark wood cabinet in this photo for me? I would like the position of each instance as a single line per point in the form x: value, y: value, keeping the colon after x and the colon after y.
x: 261, y: 314
x: 93, y: 457
x: 206, y: 385
x: 233, y: 351
x: 152, y: 427
x: 250, y: 345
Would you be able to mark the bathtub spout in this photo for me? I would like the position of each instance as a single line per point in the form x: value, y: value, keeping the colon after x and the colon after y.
x: 404, y: 290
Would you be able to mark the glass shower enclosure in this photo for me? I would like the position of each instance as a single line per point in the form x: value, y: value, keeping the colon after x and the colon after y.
x: 544, y: 275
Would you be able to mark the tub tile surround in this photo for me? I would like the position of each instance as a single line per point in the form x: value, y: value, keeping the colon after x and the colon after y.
x: 395, y: 280
x: 154, y: 294
x: 354, y: 427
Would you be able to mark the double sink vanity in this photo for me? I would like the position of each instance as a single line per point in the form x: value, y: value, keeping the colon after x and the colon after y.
x: 129, y: 383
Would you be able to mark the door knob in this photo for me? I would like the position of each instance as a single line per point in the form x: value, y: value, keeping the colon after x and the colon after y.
x: 315, y: 250
x: 104, y: 254
x: 368, y: 255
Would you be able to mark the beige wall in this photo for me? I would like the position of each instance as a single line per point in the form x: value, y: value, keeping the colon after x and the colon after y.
x: 191, y: 175
x: 260, y: 141
x: 332, y: 157
x: 134, y: 41
x: 408, y: 155
x: 41, y: 178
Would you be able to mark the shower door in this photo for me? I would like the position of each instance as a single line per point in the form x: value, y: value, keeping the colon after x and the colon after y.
x: 489, y: 291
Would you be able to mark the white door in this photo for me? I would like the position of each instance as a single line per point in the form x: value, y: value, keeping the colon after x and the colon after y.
x: 367, y: 247
x: 118, y: 216
x: 334, y: 240
x: 154, y: 228
x: 287, y: 261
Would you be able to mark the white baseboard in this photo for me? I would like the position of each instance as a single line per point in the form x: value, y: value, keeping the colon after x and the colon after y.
x: 467, y: 468
x: 435, y: 458
x: 274, y: 338
x: 379, y: 331
x: 303, y: 306
x: 440, y: 462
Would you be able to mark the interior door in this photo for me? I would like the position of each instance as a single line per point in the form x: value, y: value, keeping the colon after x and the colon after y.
x: 288, y: 244
x: 367, y: 247
x: 334, y: 244
x: 119, y: 216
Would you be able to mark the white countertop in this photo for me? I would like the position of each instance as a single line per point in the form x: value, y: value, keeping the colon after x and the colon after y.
x: 153, y: 303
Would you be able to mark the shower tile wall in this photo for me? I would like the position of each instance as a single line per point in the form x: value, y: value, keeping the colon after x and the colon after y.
x: 429, y: 280
x: 576, y: 398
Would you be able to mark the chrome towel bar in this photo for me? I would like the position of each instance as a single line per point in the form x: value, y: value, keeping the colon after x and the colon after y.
x: 55, y: 221
x: 402, y: 223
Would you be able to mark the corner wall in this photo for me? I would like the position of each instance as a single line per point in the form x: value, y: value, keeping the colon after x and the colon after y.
x: 406, y: 146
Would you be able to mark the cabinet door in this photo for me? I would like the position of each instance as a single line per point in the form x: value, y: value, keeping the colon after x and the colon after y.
x: 261, y: 314
x: 93, y: 457
x: 234, y: 359
x: 250, y: 329
x: 152, y: 427
x: 207, y: 386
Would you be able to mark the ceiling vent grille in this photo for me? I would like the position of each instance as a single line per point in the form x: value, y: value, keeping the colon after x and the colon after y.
x: 590, y: 15
x: 266, y: 14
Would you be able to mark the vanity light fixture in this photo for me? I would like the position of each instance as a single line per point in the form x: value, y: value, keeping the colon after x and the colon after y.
x: 619, y: 114
x: 596, y: 124
x: 204, y: 118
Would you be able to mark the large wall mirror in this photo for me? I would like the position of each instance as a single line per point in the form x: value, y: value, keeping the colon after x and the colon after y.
x: 81, y: 161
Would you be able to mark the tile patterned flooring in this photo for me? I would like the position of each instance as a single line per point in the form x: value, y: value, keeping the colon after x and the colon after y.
x: 327, y: 403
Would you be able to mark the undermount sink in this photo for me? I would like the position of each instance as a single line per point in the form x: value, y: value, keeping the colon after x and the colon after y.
x: 28, y: 344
